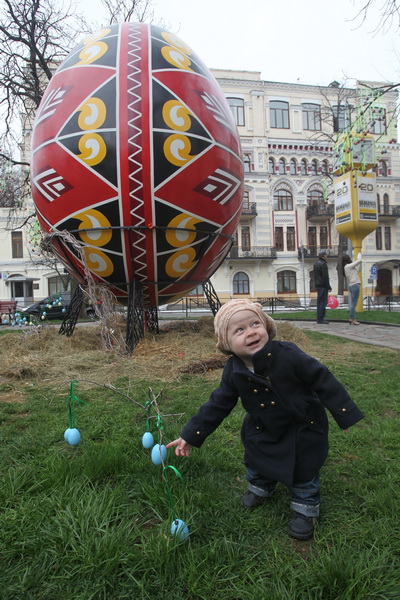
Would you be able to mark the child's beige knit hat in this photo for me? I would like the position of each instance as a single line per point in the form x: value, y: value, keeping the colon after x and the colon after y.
x: 226, y: 311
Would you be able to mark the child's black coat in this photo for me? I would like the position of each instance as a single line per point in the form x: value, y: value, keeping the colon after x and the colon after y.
x: 285, y: 433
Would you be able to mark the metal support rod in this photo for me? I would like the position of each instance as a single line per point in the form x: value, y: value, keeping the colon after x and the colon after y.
x: 212, y: 297
x: 71, y: 318
x: 135, y: 315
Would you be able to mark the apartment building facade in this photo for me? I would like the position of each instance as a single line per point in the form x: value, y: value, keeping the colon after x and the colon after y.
x: 287, y: 134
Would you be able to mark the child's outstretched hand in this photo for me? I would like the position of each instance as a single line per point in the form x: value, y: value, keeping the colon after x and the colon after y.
x: 182, y: 447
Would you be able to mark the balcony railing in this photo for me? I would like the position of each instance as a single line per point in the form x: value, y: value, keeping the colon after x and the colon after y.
x: 313, y: 251
x: 249, y: 209
x: 320, y: 212
x: 389, y: 211
x: 254, y: 252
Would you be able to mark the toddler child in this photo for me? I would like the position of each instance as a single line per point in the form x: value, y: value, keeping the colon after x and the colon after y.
x: 284, y: 392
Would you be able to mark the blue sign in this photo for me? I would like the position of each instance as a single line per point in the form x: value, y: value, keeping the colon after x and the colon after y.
x: 374, y: 270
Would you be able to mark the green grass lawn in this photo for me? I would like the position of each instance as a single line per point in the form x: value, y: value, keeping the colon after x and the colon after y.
x: 92, y: 522
x: 368, y: 316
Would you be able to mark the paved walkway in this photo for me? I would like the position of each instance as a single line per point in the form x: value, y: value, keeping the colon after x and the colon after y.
x: 387, y: 336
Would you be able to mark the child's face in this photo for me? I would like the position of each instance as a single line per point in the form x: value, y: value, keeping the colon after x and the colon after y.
x: 246, y: 334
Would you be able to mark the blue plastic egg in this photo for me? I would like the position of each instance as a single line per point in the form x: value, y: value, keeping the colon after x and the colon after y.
x: 180, y: 530
x: 147, y: 440
x: 74, y: 437
x: 66, y: 434
x: 158, y: 454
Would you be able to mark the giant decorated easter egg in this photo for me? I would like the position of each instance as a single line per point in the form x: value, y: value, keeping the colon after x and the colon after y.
x: 135, y: 153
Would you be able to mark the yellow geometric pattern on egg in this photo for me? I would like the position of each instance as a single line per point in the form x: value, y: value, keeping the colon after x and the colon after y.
x: 181, y: 262
x: 93, y: 220
x: 93, y: 149
x: 185, y: 234
x: 98, y: 262
x: 176, y: 115
x: 92, y: 52
x: 177, y: 149
x: 173, y: 40
x: 92, y: 114
x: 176, y: 58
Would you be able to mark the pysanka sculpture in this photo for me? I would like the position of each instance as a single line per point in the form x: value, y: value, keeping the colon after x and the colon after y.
x: 135, y: 153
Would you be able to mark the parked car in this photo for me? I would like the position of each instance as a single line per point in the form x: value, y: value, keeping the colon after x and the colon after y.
x: 53, y: 307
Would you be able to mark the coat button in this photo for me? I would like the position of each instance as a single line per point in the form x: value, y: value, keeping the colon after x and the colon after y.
x: 312, y: 422
x: 258, y: 428
x: 266, y: 390
x: 262, y: 405
x: 255, y: 391
x: 344, y: 409
x: 273, y: 402
x: 198, y: 432
x: 269, y: 354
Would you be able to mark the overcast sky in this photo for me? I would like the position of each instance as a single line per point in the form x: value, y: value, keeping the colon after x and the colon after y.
x: 309, y: 41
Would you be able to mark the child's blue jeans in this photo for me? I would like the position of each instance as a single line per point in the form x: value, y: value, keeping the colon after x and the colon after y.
x: 305, y: 495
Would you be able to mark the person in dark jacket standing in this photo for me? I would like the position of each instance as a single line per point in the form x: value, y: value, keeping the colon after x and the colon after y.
x: 284, y: 392
x: 321, y: 280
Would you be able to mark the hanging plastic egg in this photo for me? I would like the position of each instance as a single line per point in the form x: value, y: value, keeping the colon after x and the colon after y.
x: 158, y: 454
x: 74, y: 437
x: 180, y: 530
x: 147, y: 440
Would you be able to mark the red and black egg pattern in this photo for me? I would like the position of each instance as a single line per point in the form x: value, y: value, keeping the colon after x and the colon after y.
x: 136, y: 154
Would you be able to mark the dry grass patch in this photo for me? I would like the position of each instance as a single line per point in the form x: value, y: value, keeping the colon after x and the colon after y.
x: 45, y: 357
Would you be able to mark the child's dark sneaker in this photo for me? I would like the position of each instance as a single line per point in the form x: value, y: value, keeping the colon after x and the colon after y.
x: 301, y: 527
x: 251, y: 500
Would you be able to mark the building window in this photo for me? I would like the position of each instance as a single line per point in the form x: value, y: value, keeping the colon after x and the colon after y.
x: 312, y: 281
x: 245, y: 232
x: 378, y: 201
x: 388, y: 239
x: 16, y: 244
x: 311, y: 117
x: 386, y: 208
x: 293, y: 166
x: 315, y: 198
x: 303, y: 167
x: 341, y: 117
x: 237, y: 108
x: 279, y: 239
x: 379, y: 125
x: 323, y: 237
x: 247, y: 163
x: 279, y: 114
x: 241, y: 283
x: 312, y: 240
x: 198, y: 291
x: 271, y: 166
x: 246, y: 200
x: 283, y: 200
x: 383, y: 168
x: 378, y: 238
x: 324, y: 167
x: 55, y: 285
x: 314, y: 167
x: 290, y: 238
x: 286, y: 282
x: 282, y: 166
